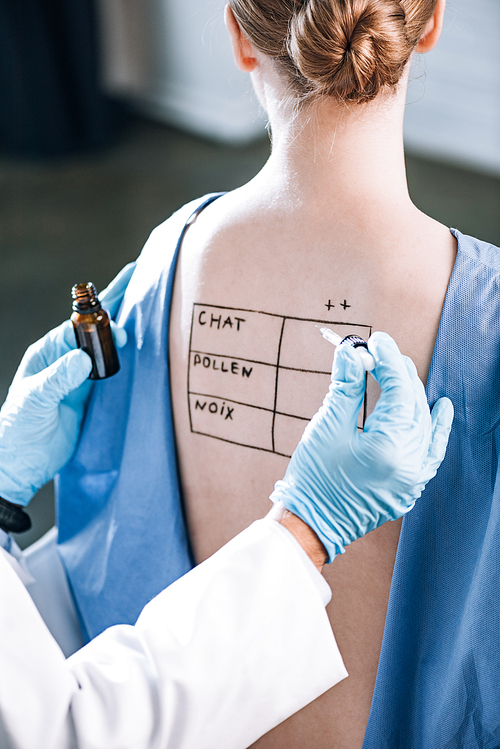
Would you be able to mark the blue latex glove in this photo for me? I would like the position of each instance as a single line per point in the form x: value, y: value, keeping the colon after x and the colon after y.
x: 343, y: 482
x: 41, y: 418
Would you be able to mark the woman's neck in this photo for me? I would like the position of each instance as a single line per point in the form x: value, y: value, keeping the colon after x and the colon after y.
x: 343, y: 158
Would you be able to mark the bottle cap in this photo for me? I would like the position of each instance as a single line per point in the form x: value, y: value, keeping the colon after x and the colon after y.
x: 85, y: 298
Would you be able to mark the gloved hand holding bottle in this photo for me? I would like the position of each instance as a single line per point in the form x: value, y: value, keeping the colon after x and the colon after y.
x: 342, y: 482
x: 41, y: 418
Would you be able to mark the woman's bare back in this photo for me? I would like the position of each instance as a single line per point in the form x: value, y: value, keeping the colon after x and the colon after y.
x: 248, y: 368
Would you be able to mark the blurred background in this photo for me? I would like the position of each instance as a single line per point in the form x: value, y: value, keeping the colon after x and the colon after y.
x: 114, y: 113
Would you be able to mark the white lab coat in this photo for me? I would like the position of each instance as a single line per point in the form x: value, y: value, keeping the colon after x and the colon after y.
x: 215, y: 661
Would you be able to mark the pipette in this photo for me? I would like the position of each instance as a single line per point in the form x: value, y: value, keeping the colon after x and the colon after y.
x: 352, y: 340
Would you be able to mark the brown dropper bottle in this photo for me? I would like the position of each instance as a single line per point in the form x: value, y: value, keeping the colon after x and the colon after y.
x: 93, y: 331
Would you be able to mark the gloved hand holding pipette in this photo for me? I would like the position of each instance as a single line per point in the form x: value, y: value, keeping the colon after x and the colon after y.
x: 41, y: 417
x: 344, y: 483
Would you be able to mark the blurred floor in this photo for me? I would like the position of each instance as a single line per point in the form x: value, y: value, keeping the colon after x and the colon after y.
x: 84, y: 218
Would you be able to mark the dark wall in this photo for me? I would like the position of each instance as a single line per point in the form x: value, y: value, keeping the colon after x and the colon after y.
x: 50, y: 99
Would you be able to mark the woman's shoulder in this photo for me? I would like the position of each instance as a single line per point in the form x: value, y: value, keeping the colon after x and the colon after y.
x: 171, y: 228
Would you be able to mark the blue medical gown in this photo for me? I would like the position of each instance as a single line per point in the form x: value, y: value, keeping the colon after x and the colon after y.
x: 122, y: 533
x: 438, y: 682
x: 123, y: 538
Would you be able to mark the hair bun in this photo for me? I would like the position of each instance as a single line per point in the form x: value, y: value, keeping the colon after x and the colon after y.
x: 349, y: 49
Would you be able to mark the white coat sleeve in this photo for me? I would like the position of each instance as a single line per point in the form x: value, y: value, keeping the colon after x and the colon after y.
x: 40, y: 568
x: 216, y: 660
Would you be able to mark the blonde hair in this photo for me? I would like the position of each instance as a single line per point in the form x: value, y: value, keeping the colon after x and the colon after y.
x: 347, y: 49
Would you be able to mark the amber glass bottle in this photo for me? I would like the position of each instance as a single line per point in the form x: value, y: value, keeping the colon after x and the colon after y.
x: 93, y: 331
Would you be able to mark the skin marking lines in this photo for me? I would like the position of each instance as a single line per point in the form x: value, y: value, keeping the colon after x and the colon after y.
x: 246, y: 368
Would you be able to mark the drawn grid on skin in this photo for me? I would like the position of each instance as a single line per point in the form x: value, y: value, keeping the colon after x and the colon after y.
x: 275, y: 411
x: 276, y: 383
x: 189, y: 369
